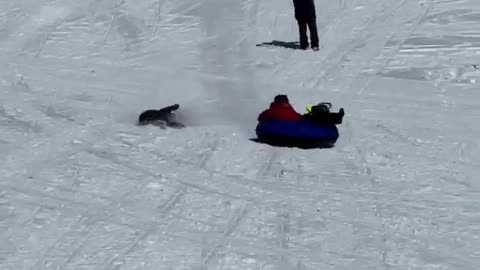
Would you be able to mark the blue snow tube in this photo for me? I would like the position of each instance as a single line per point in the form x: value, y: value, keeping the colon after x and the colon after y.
x: 302, y: 134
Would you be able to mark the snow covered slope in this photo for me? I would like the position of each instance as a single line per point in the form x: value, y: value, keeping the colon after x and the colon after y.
x: 83, y: 187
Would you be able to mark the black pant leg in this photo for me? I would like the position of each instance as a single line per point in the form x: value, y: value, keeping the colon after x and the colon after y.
x: 312, y: 27
x: 302, y: 28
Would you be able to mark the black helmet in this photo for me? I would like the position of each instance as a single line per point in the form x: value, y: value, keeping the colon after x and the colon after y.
x: 281, y: 99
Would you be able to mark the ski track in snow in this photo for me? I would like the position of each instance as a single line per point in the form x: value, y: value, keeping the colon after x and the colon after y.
x: 83, y: 187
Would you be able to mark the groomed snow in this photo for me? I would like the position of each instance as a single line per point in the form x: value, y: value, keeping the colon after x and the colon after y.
x: 83, y: 187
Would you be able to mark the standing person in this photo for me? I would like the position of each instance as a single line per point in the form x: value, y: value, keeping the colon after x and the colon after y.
x: 306, y: 16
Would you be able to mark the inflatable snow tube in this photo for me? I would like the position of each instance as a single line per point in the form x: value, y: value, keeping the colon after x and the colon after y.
x: 301, y: 134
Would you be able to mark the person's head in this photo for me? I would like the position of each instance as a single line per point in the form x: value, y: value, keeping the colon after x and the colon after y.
x: 281, y: 100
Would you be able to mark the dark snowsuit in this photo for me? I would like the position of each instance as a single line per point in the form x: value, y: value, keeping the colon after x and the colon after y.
x: 306, y: 16
x: 157, y: 117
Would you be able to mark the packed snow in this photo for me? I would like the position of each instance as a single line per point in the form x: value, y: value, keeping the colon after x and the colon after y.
x: 83, y: 187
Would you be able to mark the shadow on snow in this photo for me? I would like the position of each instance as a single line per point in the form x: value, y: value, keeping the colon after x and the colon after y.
x: 284, y: 44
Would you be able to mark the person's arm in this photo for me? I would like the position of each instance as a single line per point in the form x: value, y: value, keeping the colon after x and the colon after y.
x: 263, y: 116
x: 170, y: 108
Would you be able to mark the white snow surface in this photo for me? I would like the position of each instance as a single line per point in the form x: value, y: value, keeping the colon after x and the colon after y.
x: 83, y: 187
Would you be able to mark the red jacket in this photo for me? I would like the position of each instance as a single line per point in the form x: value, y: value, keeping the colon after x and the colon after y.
x: 279, y: 112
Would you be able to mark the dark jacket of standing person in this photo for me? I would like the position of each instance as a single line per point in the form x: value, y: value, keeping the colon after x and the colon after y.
x: 304, y: 9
